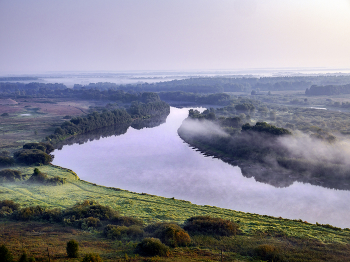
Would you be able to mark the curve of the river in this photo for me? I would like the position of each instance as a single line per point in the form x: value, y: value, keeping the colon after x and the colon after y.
x: 157, y: 161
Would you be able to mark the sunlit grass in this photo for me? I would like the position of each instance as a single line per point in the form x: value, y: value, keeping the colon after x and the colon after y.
x: 152, y: 208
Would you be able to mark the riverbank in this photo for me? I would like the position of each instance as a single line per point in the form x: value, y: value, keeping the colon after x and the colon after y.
x: 257, y: 229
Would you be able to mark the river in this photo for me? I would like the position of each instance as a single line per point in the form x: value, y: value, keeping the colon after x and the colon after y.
x: 156, y: 161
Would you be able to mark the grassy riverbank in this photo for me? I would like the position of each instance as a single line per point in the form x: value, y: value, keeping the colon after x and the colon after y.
x: 292, y: 238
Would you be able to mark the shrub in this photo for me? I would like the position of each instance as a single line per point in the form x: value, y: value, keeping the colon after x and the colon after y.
x: 5, y: 254
x: 170, y: 234
x: 7, y: 207
x: 90, y: 209
x: 72, y: 248
x: 206, y: 225
x: 45, y: 147
x: 120, y: 232
x: 267, y: 252
x: 92, y: 258
x: 42, y: 178
x: 90, y: 222
x: 30, y: 213
x: 32, y: 156
x: 127, y: 221
x: 6, y: 161
x: 23, y: 258
x: 152, y: 247
x: 8, y: 175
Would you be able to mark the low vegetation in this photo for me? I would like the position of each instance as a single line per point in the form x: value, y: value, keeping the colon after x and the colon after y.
x: 38, y: 220
x: 120, y: 220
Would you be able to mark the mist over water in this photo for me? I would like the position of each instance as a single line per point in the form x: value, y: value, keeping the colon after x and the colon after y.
x: 157, y: 161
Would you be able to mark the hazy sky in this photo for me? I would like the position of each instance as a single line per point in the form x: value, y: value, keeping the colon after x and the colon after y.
x: 86, y: 35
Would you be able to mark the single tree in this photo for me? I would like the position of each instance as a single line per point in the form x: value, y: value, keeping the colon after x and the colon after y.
x: 72, y: 248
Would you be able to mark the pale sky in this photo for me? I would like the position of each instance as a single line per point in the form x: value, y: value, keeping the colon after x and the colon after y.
x: 118, y: 35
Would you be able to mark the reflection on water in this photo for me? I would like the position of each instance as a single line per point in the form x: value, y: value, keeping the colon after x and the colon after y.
x: 157, y: 161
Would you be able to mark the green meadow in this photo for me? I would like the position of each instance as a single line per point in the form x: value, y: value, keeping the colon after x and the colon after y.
x: 151, y: 208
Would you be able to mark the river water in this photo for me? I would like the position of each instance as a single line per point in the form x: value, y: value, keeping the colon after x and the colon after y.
x: 156, y: 161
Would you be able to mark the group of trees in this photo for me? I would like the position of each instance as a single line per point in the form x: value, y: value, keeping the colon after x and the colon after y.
x: 316, y: 90
x: 120, y: 117
x: 258, y: 151
x: 210, y: 99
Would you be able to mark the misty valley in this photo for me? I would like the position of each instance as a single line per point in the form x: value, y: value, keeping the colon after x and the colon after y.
x: 273, y: 146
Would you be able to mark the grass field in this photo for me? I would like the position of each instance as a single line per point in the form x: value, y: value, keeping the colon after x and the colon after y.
x: 32, y: 119
x: 256, y: 229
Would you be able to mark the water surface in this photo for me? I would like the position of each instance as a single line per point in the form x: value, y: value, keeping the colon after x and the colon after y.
x: 156, y: 161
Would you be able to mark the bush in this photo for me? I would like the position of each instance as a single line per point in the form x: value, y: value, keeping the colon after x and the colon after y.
x: 6, y: 161
x: 267, y: 252
x: 92, y: 258
x: 90, y: 208
x: 127, y: 221
x: 5, y: 254
x: 120, y: 232
x: 90, y: 222
x: 32, y: 156
x: 72, y: 248
x: 170, y: 234
x: 8, y: 175
x: 45, y: 147
x: 152, y: 247
x: 30, y: 213
x: 205, y: 225
x: 38, y: 177
x: 7, y: 207
x: 23, y: 258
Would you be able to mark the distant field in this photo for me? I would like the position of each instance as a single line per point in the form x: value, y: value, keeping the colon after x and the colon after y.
x: 30, y: 120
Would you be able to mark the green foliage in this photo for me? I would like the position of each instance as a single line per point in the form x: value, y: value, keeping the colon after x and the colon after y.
x: 245, y: 108
x: 123, y: 232
x: 139, y: 109
x: 211, y: 99
x: 5, y: 254
x: 8, y: 175
x: 24, y: 258
x: 91, y: 257
x: 93, y: 121
x: 267, y: 252
x: 90, y: 208
x: 263, y: 127
x: 152, y: 247
x: 90, y: 222
x: 329, y: 226
x: 7, y: 207
x: 170, y: 234
x: 72, y: 248
x: 206, y: 225
x: 127, y: 221
x: 45, y: 147
x: 30, y: 213
x: 316, y: 90
x: 6, y: 161
x: 32, y: 156
x: 41, y: 178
